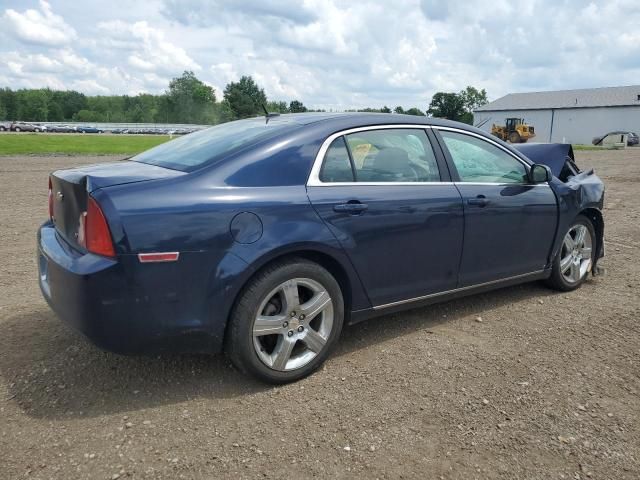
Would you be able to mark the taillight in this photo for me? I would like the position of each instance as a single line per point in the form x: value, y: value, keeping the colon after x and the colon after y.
x: 93, y: 233
x: 50, y: 200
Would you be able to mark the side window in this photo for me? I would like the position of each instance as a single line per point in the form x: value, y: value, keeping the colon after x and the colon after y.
x: 479, y: 161
x: 336, y: 166
x: 393, y: 155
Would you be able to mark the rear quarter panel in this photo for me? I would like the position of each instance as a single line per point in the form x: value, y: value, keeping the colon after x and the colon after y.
x: 193, y: 217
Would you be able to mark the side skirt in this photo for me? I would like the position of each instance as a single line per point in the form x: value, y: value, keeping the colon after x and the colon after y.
x: 379, y: 310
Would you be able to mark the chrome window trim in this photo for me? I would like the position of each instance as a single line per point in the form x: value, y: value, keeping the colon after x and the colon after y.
x: 507, y: 184
x: 375, y: 184
x: 314, y: 176
x: 456, y: 290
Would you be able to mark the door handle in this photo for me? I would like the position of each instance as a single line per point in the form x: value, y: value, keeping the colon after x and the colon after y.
x: 480, y: 201
x: 352, y: 208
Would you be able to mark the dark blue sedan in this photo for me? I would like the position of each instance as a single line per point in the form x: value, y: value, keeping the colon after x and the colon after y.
x: 263, y: 237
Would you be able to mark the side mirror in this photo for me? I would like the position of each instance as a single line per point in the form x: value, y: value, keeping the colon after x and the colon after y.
x: 540, y: 174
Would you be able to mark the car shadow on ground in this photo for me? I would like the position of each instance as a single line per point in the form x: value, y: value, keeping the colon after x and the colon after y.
x: 53, y: 372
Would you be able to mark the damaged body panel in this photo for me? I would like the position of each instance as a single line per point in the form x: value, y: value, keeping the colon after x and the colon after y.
x: 577, y: 191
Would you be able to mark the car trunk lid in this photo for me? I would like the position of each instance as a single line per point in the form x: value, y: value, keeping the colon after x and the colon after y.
x: 70, y: 189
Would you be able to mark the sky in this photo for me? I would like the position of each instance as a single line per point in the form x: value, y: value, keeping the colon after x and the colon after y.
x: 331, y: 54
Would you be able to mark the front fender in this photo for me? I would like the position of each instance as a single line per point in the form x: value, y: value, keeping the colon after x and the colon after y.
x: 581, y: 193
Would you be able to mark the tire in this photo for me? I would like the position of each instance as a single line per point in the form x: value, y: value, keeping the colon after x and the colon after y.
x: 568, y: 271
x: 514, y: 137
x: 36, y: 130
x: 2, y: 129
x: 285, y: 346
x: 17, y: 129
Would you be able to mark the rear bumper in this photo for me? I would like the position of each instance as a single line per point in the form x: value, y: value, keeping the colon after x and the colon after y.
x: 123, y: 306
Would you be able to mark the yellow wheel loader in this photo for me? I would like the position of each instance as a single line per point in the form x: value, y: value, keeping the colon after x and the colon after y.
x: 515, y: 131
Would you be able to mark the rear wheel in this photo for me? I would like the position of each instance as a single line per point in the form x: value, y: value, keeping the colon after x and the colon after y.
x: 17, y: 129
x: 576, y: 256
x: 286, y: 322
x: 514, y: 137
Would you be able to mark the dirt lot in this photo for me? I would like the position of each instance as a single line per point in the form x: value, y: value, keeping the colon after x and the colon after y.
x: 546, y: 386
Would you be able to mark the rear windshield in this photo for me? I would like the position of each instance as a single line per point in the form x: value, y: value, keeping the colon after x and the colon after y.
x: 206, y: 146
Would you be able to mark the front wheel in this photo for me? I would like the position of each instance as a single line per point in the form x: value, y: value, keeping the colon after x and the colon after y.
x: 514, y: 137
x: 576, y: 256
x: 285, y: 322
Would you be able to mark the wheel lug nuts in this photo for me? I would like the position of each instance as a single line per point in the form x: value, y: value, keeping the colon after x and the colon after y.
x: 285, y: 324
x: 290, y: 333
x: 293, y: 314
x: 301, y: 317
x: 300, y: 328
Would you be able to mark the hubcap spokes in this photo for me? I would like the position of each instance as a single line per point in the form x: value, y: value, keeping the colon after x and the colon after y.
x: 293, y: 324
x: 575, y: 259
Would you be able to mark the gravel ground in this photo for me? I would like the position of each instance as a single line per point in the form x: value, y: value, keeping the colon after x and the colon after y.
x: 521, y: 383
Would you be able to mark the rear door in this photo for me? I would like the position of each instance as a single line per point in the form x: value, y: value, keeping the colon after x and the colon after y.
x: 389, y: 200
x: 510, y: 224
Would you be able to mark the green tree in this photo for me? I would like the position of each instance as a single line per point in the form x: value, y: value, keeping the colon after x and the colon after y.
x: 473, y: 99
x: 415, y: 111
x: 190, y: 100
x: 447, y: 105
x: 297, y: 106
x: 87, y: 116
x: 398, y: 109
x: 8, y: 104
x: 385, y: 109
x: 245, y: 97
x: 277, y: 106
x: 69, y: 102
x: 33, y: 105
x: 223, y: 112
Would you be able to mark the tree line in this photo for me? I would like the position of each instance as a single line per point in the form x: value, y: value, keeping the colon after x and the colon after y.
x: 189, y: 100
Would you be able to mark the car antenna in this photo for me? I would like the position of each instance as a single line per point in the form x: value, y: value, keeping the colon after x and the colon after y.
x: 269, y: 114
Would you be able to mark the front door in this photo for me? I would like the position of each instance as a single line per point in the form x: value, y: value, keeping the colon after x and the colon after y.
x: 380, y: 192
x: 510, y: 224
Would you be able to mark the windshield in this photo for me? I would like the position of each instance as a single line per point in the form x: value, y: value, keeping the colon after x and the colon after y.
x: 197, y: 149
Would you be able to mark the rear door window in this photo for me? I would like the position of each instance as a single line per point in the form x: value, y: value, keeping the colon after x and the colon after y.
x: 393, y: 155
x: 337, y: 166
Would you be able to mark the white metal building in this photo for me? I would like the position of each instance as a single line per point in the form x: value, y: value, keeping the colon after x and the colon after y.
x: 568, y: 116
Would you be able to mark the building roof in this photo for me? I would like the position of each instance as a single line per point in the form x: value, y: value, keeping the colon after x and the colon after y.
x: 582, y: 98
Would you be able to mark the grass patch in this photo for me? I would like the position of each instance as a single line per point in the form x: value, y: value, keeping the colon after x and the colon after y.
x: 590, y: 147
x: 21, y: 144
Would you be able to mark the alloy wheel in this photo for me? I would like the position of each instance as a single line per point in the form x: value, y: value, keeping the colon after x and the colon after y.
x: 575, y: 258
x: 293, y: 324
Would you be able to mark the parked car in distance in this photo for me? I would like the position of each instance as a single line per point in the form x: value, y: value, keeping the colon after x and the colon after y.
x: 61, y: 129
x: 5, y: 126
x: 88, y: 129
x: 632, y: 138
x: 263, y: 237
x: 26, y: 127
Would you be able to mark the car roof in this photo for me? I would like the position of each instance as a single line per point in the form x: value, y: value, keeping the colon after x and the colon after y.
x: 359, y: 119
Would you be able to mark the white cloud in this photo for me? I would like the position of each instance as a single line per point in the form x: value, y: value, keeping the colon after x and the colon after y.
x: 41, y: 27
x: 148, y: 47
x: 327, y: 53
